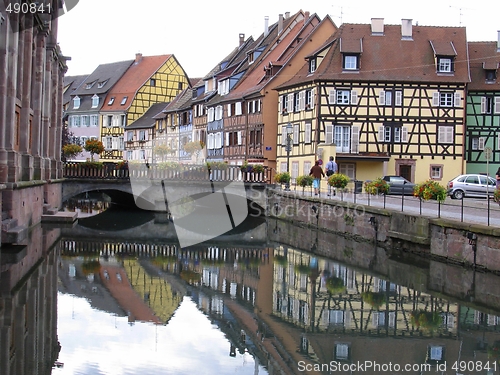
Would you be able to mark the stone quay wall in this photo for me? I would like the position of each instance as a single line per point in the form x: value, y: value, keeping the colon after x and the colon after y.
x: 470, y: 245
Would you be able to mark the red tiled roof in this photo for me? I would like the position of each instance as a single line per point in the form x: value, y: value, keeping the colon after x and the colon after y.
x: 483, y: 55
x: 134, y: 78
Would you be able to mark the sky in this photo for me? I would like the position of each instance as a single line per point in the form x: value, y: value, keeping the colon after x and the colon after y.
x: 201, y: 33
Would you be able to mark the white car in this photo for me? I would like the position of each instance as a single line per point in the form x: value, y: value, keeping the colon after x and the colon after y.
x: 471, y: 185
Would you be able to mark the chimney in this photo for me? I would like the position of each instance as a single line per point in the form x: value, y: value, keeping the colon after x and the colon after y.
x: 138, y: 57
x: 306, y: 16
x: 287, y: 15
x: 266, y: 25
x: 242, y: 39
x: 280, y: 23
x: 377, y: 26
x: 498, y: 41
x: 406, y: 29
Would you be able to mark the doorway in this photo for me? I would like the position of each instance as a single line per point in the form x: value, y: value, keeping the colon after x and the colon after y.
x: 405, y: 171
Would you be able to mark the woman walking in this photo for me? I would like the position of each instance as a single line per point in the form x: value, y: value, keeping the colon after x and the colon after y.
x: 316, y: 172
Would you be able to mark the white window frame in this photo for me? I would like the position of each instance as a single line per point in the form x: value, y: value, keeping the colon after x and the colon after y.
x: 238, y: 109
x: 94, y: 120
x: 76, y: 102
x: 296, y: 134
x: 95, y: 101
x: 307, y: 132
x: 445, y: 64
x: 349, y: 169
x: 350, y: 62
x: 85, y: 120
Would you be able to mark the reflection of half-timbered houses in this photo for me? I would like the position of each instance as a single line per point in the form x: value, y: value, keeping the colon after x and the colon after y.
x: 149, y: 80
x: 390, y: 100
x: 483, y: 106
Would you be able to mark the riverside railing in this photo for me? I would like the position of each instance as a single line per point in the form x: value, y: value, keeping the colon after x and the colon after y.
x: 155, y: 171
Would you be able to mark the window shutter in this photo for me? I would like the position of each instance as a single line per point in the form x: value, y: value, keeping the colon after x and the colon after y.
x: 329, y: 134
x: 354, y: 97
x: 302, y: 100
x: 404, y: 134
x: 381, y: 133
x: 238, y: 108
x: 496, y: 108
x: 227, y: 138
x: 484, y: 101
x: 280, y: 104
x: 210, y: 141
x: 307, y: 134
x: 398, y: 100
x: 435, y: 99
x: 355, y: 139
x: 290, y: 103
x: 296, y: 132
x: 249, y: 104
x: 229, y: 110
x: 332, y: 96
x: 258, y: 105
x: 283, y: 135
x: 381, y: 98
x: 482, y: 141
x: 498, y: 141
x: 239, y: 137
x: 458, y: 99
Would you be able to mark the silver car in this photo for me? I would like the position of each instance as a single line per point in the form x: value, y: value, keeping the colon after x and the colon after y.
x: 471, y: 185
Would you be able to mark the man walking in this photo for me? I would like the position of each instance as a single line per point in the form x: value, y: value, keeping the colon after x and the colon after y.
x: 316, y: 172
x: 331, y: 168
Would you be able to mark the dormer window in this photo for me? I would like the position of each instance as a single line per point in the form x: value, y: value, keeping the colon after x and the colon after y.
x: 350, y: 62
x: 250, y: 57
x: 90, y: 85
x: 124, y: 100
x: 491, y: 75
x: 76, y: 102
x: 312, y: 65
x: 444, y: 64
x: 95, y: 101
x: 100, y: 85
x: 111, y: 101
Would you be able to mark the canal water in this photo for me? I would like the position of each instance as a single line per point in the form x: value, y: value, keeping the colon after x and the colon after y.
x: 120, y: 297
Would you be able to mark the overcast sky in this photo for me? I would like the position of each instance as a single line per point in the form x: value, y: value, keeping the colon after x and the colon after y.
x: 200, y: 33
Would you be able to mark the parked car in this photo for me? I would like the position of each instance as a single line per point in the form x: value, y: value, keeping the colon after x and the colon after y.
x: 471, y: 185
x: 399, y: 185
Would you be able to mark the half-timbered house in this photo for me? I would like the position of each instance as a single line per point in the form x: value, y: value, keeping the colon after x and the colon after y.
x: 250, y: 125
x: 149, y: 80
x: 140, y: 136
x: 390, y: 100
x: 483, y: 108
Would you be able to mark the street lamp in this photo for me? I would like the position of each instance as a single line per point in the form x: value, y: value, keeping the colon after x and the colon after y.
x: 288, y: 148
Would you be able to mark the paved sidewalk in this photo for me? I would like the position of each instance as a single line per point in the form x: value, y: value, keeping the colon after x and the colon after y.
x: 468, y: 210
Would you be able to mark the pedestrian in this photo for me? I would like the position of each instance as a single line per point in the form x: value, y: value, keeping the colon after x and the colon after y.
x: 497, y: 176
x: 331, y: 168
x: 316, y: 171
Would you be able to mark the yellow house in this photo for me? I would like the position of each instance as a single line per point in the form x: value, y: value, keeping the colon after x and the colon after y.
x: 388, y: 100
x: 149, y: 80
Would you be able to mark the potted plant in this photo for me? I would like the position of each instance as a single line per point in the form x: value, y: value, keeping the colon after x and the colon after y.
x: 282, y: 178
x: 430, y: 190
x: 496, y: 196
x: 338, y: 180
x: 257, y: 168
x: 426, y: 320
x: 374, y: 299
x: 304, y: 181
x: 377, y: 186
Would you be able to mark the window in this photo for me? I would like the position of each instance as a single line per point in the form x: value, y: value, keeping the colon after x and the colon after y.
x: 123, y: 120
x: 341, y: 352
x: 307, y: 132
x: 152, y: 82
x: 307, y: 167
x: 309, y: 99
x: 343, y: 97
x: 124, y: 100
x: 436, y: 171
x: 75, y: 121
x: 142, y: 154
x: 312, y: 65
x: 111, y: 101
x: 342, y: 137
x: 350, y: 62
x: 95, y: 101
x: 294, y: 175
x: 296, y: 102
x: 393, y: 133
x: 349, y: 169
x: 142, y: 135
x: 94, y: 120
x: 446, y: 99
x: 88, y: 86
x: 435, y: 353
x: 109, y: 121
x: 296, y: 134
x: 76, y: 102
x: 218, y: 112
x: 284, y: 104
x: 491, y: 75
x: 445, y: 65
x: 85, y: 120
x: 109, y: 143
x: 486, y: 104
x: 385, y: 98
x: 445, y: 134
x: 100, y: 85
x: 477, y: 143
x: 130, y: 136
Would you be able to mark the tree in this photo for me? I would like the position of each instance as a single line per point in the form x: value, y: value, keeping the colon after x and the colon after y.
x: 163, y: 150
x: 94, y: 147
x: 66, y: 139
x: 71, y: 150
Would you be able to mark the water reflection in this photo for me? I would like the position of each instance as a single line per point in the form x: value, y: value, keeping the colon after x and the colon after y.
x: 136, y: 306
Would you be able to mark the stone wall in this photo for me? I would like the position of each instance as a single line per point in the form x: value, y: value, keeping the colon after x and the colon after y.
x: 441, y: 239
